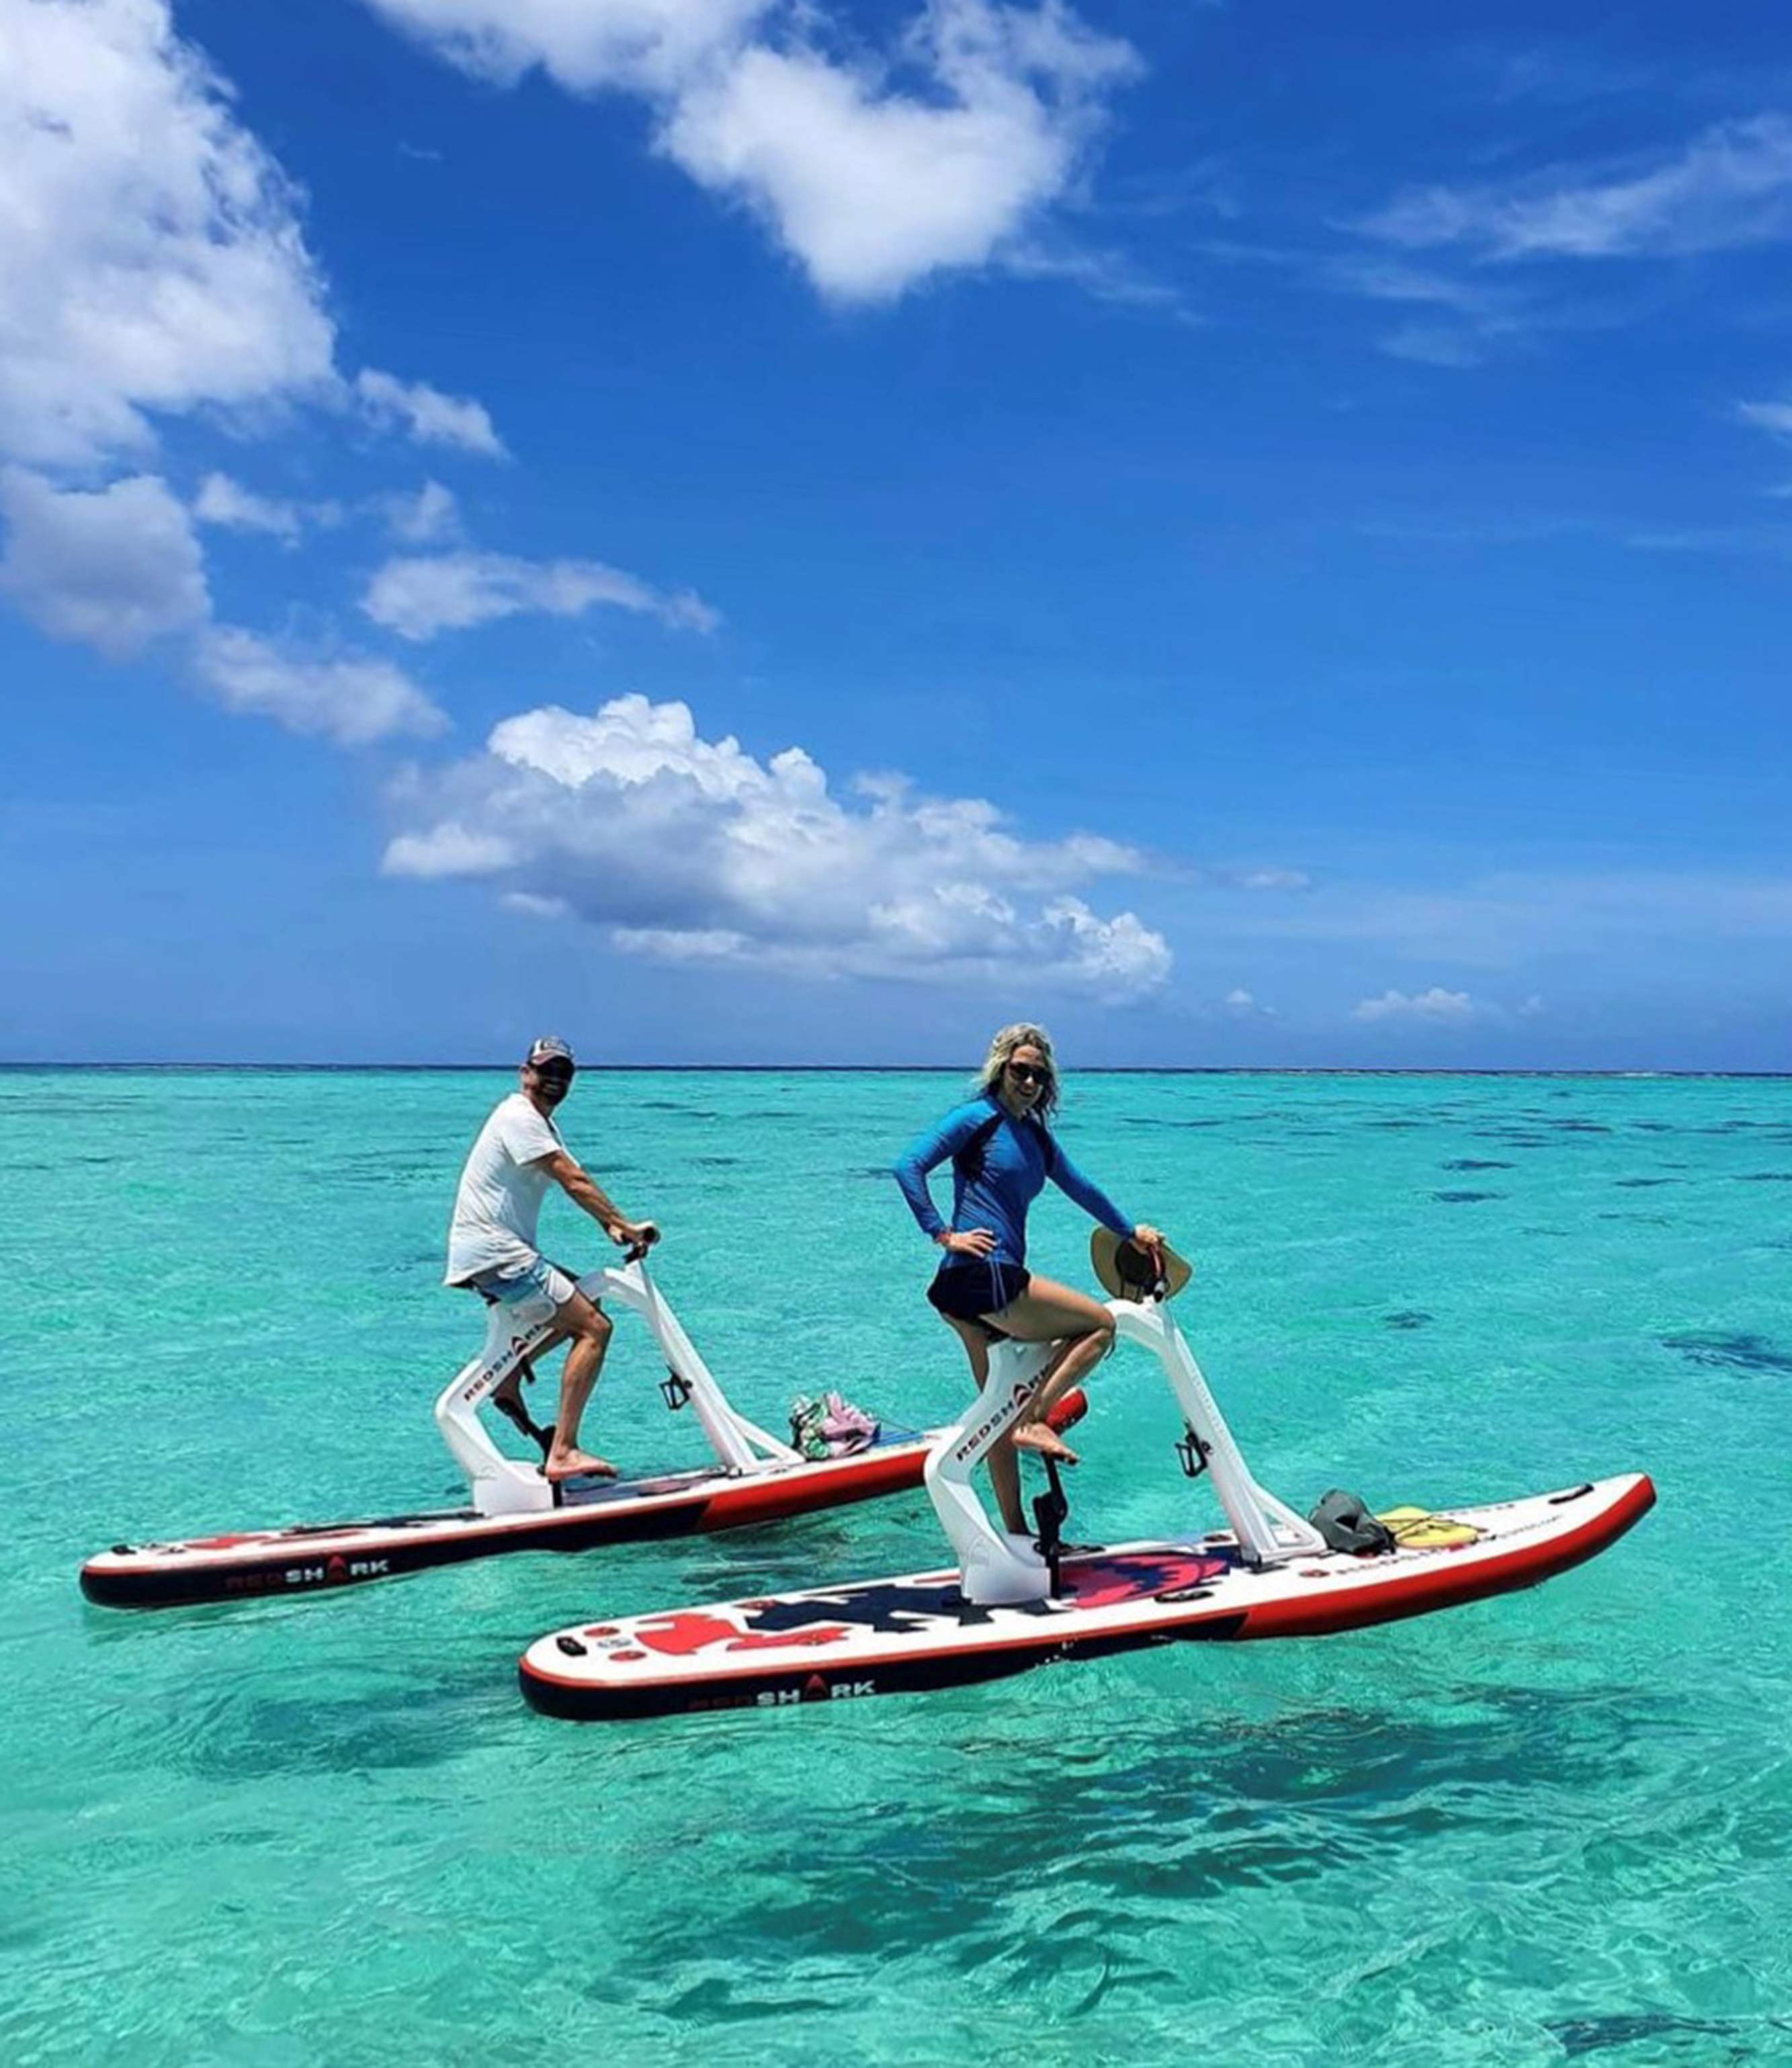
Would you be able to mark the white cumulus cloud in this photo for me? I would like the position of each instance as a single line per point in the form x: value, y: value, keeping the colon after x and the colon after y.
x: 114, y: 568
x: 119, y: 568
x: 150, y: 248
x: 872, y: 189
x: 872, y: 174
x: 152, y: 265
x: 1242, y: 1004
x: 645, y: 44
x: 353, y: 699
x: 1435, y: 1007
x: 690, y: 850
x: 418, y: 596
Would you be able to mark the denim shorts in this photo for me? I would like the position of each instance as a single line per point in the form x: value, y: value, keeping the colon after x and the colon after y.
x: 539, y: 1282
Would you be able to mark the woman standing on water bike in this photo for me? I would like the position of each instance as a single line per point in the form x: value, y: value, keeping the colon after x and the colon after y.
x: 1002, y: 1154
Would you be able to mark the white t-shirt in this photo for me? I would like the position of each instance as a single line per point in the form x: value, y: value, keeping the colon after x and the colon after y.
x: 501, y: 1189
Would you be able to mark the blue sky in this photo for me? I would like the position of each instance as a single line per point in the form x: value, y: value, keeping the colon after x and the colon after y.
x: 1253, y: 533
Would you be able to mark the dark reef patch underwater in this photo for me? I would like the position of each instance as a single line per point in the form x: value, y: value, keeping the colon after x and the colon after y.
x: 1731, y: 1352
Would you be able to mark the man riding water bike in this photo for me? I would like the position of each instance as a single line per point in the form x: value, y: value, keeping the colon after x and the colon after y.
x: 492, y: 1249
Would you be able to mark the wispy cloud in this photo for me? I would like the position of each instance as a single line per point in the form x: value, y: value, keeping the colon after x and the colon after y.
x: 1436, y: 344
x: 418, y: 598
x: 1775, y: 416
x: 225, y: 501
x: 353, y: 699
x: 1104, y: 276
x: 1514, y: 921
x: 1567, y: 72
x: 1260, y: 879
x: 428, y: 517
x: 1731, y: 186
x: 1378, y: 278
x: 1771, y: 542
x: 427, y: 415
x: 1457, y: 319
x: 1444, y: 527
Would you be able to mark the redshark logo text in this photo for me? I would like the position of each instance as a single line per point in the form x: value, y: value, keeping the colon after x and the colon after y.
x: 814, y: 1689
x: 999, y: 1418
x: 494, y: 1371
x: 335, y: 1571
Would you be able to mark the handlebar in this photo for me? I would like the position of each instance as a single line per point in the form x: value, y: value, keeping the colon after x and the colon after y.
x: 639, y: 1248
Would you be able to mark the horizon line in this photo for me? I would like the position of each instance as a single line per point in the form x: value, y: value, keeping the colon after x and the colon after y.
x: 906, y: 1069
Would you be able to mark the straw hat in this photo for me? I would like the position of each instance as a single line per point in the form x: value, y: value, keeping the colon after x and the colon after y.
x: 1127, y: 1272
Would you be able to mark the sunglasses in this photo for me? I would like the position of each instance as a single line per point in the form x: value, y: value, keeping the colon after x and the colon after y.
x: 1029, y: 1073
x: 552, y: 1073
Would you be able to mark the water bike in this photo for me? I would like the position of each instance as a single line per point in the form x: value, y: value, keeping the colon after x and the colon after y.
x: 1011, y: 1604
x: 754, y: 1477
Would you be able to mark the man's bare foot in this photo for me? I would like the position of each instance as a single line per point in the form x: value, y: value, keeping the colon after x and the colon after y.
x: 1044, y: 1441
x: 575, y: 1464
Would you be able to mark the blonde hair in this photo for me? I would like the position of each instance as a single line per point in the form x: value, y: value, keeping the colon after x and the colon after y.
x: 1022, y: 1034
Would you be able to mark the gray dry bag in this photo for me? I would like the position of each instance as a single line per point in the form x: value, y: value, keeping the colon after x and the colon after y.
x: 1344, y: 1520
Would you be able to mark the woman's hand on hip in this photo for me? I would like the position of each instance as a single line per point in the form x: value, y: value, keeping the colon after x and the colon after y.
x: 969, y: 1242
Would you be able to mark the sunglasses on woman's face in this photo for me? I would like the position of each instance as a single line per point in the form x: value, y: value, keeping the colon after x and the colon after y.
x: 1029, y: 1073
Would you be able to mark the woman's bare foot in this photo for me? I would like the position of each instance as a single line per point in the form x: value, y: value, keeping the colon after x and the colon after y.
x: 1044, y: 1441
x: 575, y: 1464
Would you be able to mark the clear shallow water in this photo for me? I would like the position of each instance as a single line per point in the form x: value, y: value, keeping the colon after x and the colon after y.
x: 328, y: 1830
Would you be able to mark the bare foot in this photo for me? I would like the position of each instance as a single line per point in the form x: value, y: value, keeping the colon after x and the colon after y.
x: 1066, y: 1413
x: 1044, y: 1441
x: 575, y: 1464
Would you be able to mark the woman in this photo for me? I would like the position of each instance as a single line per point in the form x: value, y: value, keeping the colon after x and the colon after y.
x: 1002, y: 1154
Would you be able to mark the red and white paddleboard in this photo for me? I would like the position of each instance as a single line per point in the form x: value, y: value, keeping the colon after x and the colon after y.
x: 236, y: 1565
x: 883, y: 1636
x: 240, y: 1564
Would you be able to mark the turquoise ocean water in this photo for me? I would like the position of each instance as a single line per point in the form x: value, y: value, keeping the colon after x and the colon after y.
x: 328, y: 1830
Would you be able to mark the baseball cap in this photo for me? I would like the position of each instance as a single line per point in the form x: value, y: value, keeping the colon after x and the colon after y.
x: 548, y: 1048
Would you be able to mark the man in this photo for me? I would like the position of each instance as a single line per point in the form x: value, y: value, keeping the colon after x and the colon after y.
x: 491, y: 1242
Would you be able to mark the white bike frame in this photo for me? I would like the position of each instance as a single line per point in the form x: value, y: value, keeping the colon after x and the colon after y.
x: 995, y: 1567
x: 507, y: 1486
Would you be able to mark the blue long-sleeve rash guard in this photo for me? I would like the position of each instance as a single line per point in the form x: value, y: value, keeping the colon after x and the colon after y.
x: 1015, y: 1166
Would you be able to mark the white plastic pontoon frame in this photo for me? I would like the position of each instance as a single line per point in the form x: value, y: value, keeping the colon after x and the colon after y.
x: 994, y: 1567
x: 507, y: 1486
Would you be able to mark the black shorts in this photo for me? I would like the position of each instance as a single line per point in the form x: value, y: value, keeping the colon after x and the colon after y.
x: 967, y: 1290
